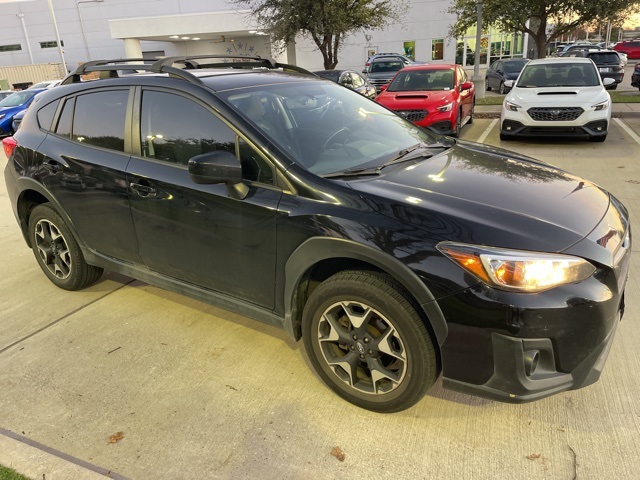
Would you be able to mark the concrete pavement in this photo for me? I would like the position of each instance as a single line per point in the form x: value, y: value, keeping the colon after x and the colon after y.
x: 128, y: 378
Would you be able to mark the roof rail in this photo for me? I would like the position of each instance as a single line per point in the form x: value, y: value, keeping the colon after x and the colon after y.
x: 165, y: 65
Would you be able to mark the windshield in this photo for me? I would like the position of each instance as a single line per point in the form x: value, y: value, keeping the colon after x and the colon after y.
x: 428, y: 80
x: 386, y: 66
x: 559, y: 75
x: 513, y: 67
x: 325, y: 127
x: 17, y: 98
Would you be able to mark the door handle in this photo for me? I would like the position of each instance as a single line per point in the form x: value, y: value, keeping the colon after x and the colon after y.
x: 145, y: 191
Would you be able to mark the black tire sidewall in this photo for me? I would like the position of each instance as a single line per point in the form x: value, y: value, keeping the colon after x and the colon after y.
x: 75, y: 279
x: 421, y: 363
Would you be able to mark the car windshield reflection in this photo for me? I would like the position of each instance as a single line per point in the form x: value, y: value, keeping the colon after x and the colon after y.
x: 326, y: 128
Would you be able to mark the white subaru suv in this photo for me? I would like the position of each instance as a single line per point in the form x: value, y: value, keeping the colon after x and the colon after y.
x: 557, y: 97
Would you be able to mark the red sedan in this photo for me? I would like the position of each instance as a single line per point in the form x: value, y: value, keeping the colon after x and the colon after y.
x: 440, y: 97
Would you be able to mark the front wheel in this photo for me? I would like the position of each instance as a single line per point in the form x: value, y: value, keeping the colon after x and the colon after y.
x: 367, y: 342
x: 57, y: 251
x: 503, y: 89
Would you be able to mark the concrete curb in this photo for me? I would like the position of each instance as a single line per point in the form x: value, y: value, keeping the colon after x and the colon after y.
x: 37, y: 461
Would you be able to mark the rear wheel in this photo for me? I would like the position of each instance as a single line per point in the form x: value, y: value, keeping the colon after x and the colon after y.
x: 367, y: 342
x: 57, y: 251
x: 486, y: 85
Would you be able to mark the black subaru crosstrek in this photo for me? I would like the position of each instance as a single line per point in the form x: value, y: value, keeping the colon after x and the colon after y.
x: 396, y: 255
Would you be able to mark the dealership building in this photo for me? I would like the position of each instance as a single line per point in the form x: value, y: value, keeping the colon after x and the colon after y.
x: 100, y: 29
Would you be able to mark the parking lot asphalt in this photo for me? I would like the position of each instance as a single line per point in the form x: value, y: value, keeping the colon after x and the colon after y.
x: 126, y: 380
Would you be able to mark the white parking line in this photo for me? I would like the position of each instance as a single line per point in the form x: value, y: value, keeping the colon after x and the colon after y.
x: 485, y: 134
x: 631, y: 133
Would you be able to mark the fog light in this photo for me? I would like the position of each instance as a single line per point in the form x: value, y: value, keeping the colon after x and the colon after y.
x: 508, y: 128
x: 531, y: 359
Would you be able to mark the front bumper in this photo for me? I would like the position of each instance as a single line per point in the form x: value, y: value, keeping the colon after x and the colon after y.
x: 589, y: 123
x: 518, y: 347
x: 525, y: 370
x: 513, y: 128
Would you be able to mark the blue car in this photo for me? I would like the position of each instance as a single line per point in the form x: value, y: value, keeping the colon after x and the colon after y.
x: 14, y: 103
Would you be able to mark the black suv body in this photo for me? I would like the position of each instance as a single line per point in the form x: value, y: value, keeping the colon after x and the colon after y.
x: 396, y: 255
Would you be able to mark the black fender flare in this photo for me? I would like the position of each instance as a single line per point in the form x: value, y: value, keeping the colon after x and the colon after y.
x: 317, y: 249
x: 28, y: 184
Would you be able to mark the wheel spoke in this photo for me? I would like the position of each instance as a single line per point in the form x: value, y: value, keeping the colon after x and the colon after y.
x: 358, y: 314
x: 390, y: 344
x: 336, y: 333
x: 379, y: 373
x: 347, y: 364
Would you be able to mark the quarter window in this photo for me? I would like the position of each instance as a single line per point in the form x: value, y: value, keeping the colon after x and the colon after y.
x: 45, y: 115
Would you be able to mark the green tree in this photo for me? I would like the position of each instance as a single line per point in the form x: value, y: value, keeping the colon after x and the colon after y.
x: 327, y: 22
x: 542, y: 19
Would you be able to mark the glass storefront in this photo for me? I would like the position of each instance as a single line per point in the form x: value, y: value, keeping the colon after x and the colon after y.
x: 493, y: 46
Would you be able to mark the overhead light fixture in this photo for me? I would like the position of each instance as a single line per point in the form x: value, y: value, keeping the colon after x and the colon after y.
x: 174, y: 36
x: 195, y: 38
x: 185, y: 38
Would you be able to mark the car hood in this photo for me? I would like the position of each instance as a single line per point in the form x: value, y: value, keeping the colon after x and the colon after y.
x: 558, y: 96
x: 488, y: 196
x: 8, y: 110
x: 420, y: 99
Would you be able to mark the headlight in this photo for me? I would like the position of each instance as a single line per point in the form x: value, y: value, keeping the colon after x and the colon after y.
x: 445, y: 108
x: 601, y: 106
x: 511, y: 106
x: 517, y: 270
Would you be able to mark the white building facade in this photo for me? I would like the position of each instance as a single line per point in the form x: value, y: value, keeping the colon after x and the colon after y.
x: 109, y: 29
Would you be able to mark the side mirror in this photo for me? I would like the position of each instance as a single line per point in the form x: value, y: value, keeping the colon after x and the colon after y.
x: 509, y: 83
x: 219, y: 167
x: 607, y: 82
x: 466, y: 86
x: 383, y: 87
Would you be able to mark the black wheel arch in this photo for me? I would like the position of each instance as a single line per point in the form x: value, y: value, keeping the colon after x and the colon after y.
x: 33, y: 194
x: 318, y: 258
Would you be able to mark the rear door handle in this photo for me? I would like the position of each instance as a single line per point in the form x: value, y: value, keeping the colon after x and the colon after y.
x: 145, y: 191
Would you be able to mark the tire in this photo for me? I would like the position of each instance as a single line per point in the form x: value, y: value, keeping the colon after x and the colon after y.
x: 356, y: 320
x: 600, y: 138
x: 57, y: 251
x: 456, y: 132
x: 486, y: 85
x: 503, y: 90
x: 473, y: 108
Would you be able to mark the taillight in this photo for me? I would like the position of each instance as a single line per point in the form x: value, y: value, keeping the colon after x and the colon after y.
x: 9, y: 144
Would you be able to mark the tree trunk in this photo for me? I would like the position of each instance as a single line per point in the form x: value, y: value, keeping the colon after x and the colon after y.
x: 541, y: 42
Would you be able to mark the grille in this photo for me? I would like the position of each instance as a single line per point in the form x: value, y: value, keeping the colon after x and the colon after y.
x: 378, y: 82
x: 412, y: 115
x: 555, y: 114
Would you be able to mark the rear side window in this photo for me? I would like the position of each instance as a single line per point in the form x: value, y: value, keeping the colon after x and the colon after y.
x: 99, y: 119
x: 608, y: 57
x: 45, y: 115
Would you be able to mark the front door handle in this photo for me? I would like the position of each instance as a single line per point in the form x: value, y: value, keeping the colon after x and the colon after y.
x: 145, y: 191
